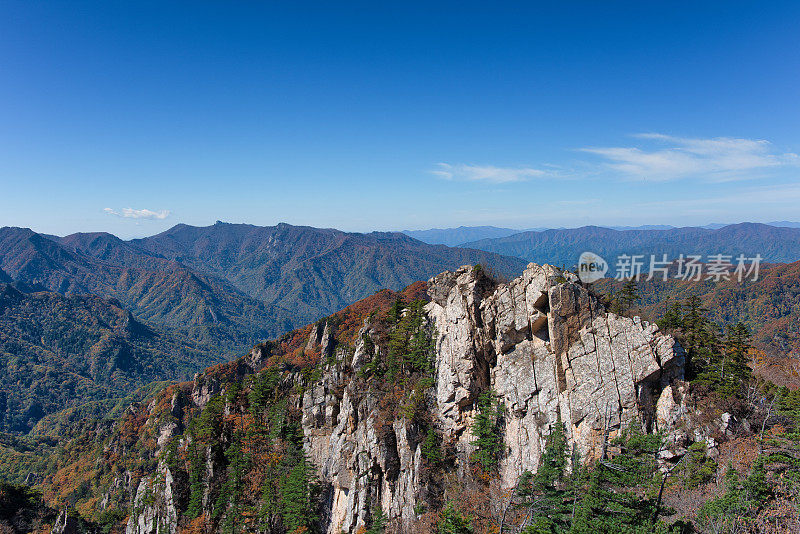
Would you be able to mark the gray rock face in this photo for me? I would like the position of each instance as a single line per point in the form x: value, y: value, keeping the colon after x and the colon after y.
x: 153, y: 507
x: 546, y: 348
x: 541, y: 343
x: 66, y: 523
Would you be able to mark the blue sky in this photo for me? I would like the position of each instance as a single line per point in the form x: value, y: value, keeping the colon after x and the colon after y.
x: 132, y: 117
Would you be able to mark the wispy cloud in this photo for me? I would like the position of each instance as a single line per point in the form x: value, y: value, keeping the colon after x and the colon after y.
x: 486, y: 173
x: 130, y: 213
x: 712, y: 159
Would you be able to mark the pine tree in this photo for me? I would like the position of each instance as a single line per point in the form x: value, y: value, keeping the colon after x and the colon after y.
x: 411, y: 346
x: 693, y: 321
x: 612, y: 499
x: 396, y: 311
x: 488, y: 442
x: 546, y: 494
x: 197, y: 485
x: 697, y: 468
x: 707, y: 358
x: 295, y: 499
x: 553, y: 461
x: 452, y: 521
x: 420, y: 351
x: 230, y: 496
x: 629, y: 294
x: 432, y: 447
x: 736, y: 509
x: 377, y: 521
x: 735, y: 372
x: 673, y: 317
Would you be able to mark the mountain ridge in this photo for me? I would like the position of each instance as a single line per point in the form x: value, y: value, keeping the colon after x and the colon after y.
x: 562, y: 247
x: 235, y: 283
x: 455, y: 236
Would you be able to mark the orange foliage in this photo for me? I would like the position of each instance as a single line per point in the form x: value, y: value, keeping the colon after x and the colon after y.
x: 196, y: 526
x: 351, y: 319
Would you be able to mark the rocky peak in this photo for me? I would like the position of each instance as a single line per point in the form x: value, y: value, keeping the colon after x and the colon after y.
x: 546, y: 348
x: 542, y: 343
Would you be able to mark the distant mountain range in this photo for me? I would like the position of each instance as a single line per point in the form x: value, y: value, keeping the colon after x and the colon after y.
x: 468, y: 234
x: 562, y: 247
x: 463, y: 234
x: 230, y: 284
x: 157, y: 290
x: 310, y: 271
x: 165, y: 306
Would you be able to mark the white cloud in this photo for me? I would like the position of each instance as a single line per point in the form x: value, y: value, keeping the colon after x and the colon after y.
x: 714, y: 159
x: 486, y: 173
x: 130, y: 213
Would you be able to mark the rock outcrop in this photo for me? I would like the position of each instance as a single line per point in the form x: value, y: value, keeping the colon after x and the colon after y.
x: 542, y: 344
x: 546, y: 348
x: 154, y: 506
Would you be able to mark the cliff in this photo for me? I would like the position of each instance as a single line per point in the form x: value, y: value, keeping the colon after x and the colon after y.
x: 541, y: 343
x: 374, y: 408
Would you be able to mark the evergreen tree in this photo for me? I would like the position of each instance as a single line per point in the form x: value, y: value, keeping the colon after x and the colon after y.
x: 629, y: 294
x: 230, y: 497
x: 432, y: 447
x: 697, y: 468
x: 295, y: 500
x: 269, y: 510
x: 452, y: 521
x: 736, y: 509
x: 693, y: 321
x: 554, y: 460
x: 735, y: 371
x: 263, y: 388
x: 420, y: 353
x: 619, y: 495
x: 396, y: 311
x: 673, y: 317
x: 197, y: 486
x: 485, y: 428
x: 410, y: 344
x: 707, y: 359
x: 547, y: 494
x: 377, y: 521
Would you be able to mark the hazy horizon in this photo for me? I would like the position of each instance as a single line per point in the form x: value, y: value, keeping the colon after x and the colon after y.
x: 712, y: 225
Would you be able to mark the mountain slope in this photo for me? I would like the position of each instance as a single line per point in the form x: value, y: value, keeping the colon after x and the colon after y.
x: 60, y: 352
x: 154, y: 288
x: 328, y: 403
x: 395, y: 406
x: 562, y: 247
x: 310, y: 271
x: 231, y: 284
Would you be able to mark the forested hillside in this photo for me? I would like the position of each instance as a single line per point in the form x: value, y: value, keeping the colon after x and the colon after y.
x: 310, y: 271
x: 156, y: 290
x: 61, y: 352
